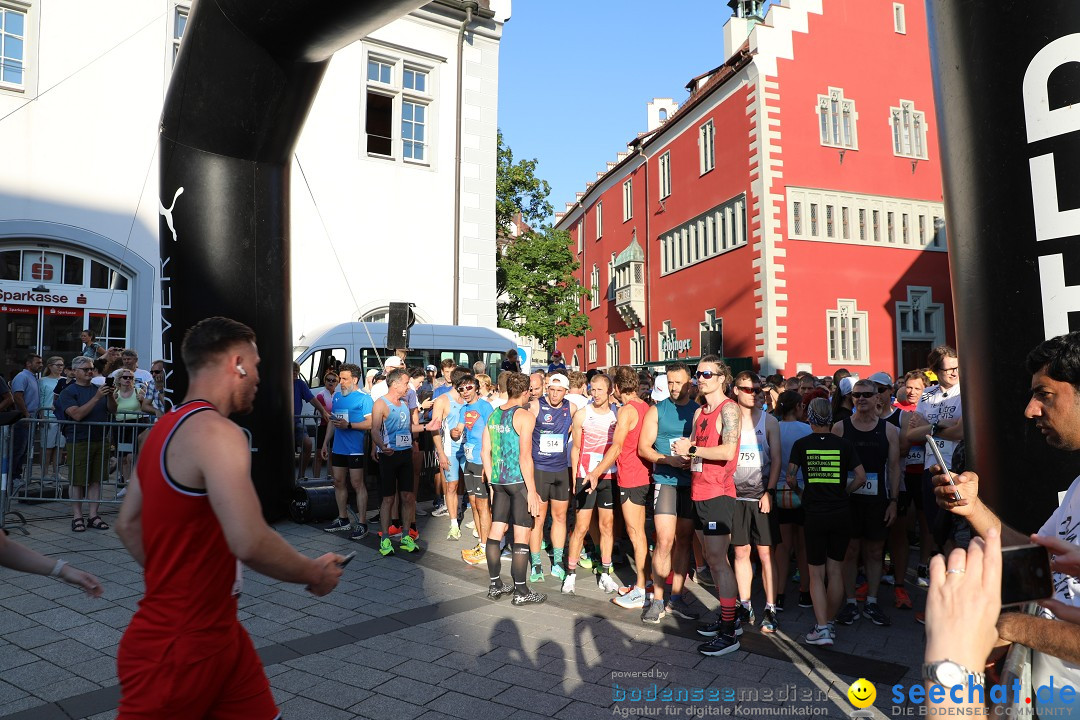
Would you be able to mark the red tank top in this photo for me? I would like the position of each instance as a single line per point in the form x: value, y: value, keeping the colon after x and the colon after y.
x: 711, y: 478
x: 632, y: 470
x: 191, y: 576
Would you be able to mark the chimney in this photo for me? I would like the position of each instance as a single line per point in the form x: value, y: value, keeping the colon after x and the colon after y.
x: 660, y: 109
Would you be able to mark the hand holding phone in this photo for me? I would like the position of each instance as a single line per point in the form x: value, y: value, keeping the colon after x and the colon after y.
x: 1025, y: 574
x: 944, y: 467
x: 346, y: 560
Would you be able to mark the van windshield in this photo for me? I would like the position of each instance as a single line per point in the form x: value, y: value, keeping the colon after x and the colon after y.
x: 298, y: 350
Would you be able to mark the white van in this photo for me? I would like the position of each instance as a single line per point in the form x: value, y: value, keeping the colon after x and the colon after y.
x: 365, y: 345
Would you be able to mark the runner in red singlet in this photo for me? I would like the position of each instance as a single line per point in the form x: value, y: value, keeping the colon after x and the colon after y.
x: 713, y: 457
x: 190, y: 517
x: 633, y: 478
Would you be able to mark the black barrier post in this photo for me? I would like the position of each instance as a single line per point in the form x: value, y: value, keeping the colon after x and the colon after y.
x: 241, y: 88
x: 1007, y: 88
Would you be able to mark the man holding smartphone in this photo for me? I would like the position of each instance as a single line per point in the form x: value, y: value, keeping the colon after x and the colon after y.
x: 190, y: 518
x: 1055, y: 407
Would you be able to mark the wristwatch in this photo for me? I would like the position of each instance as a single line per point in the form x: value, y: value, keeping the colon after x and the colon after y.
x: 933, y: 429
x: 949, y: 674
x: 693, y: 450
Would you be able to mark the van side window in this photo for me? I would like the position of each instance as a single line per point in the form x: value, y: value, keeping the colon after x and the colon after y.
x: 319, y: 362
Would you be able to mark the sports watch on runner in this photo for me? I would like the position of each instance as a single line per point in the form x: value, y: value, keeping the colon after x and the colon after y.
x: 693, y: 450
x: 950, y: 674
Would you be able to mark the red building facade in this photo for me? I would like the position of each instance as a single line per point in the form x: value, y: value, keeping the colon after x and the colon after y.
x: 793, y: 201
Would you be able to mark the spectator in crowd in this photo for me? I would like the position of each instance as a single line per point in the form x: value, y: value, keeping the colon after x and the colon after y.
x: 645, y: 387
x: 24, y: 388
x: 370, y: 378
x: 130, y: 405
x: 325, y: 398
x: 431, y: 373
x: 842, y: 405
x: 511, y: 361
x: 442, y: 384
x: 557, y: 364
x: 113, y: 361
x: 78, y: 406
x: 129, y: 360
x: 789, y: 511
x: 479, y: 367
x: 158, y: 391
x: 91, y: 348
x: 486, y: 389
x: 301, y: 394
x: 52, y: 440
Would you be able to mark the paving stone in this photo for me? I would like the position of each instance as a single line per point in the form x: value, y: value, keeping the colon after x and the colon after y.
x: 529, y: 678
x: 386, y: 708
x: 27, y: 604
x: 410, y: 689
x: 473, y: 685
x: 60, y: 618
x: 69, y: 687
x: 583, y: 711
x: 294, y: 681
x: 27, y: 678
x: 22, y: 704
x: 301, y: 708
x: 461, y: 706
x: 31, y: 638
x: 527, y: 699
x: 12, y: 656
x: 67, y: 653
x: 337, y: 694
x: 95, y: 635
x: 584, y: 692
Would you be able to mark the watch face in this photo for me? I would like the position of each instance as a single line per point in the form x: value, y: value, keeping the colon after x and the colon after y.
x: 950, y: 674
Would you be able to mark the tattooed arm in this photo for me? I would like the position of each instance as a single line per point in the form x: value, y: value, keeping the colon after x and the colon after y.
x: 730, y: 428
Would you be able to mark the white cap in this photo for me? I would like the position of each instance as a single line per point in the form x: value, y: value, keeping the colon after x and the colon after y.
x: 660, y: 390
x: 846, y: 384
x: 393, y: 361
x: 881, y: 378
x: 558, y: 380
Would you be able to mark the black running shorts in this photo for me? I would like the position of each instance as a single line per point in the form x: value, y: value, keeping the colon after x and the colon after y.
x: 552, y: 485
x: 396, y: 473
x: 601, y: 497
x: 511, y: 505
x: 827, y: 535
x: 750, y: 526
x: 673, y: 500
x: 715, y: 515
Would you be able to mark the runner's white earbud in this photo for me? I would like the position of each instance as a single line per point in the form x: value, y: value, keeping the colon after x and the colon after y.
x: 240, y: 369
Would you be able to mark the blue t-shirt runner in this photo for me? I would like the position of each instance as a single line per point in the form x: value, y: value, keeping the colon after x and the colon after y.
x: 354, y: 407
x: 673, y: 421
x: 474, y: 416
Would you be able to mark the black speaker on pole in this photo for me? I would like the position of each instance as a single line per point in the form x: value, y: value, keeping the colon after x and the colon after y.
x: 401, y: 318
x: 712, y: 342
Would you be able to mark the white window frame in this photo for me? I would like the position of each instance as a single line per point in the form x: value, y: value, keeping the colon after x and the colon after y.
x: 907, y: 129
x: 637, y: 347
x: 628, y: 199
x: 665, y: 175
x: 612, y: 351
x: 400, y: 96
x: 594, y: 287
x: 837, y: 120
x: 581, y: 235
x: 599, y: 219
x: 847, y: 336
x: 710, y: 322
x: 872, y: 215
x: 706, y: 147
x: 179, y: 24
x: 592, y: 352
x: 919, y: 318
x: 719, y: 230
x: 899, y: 20
x: 667, y: 332
x: 30, y: 12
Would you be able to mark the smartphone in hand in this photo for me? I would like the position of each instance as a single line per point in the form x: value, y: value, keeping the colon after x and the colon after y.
x: 943, y: 466
x: 347, y: 559
x: 1025, y: 574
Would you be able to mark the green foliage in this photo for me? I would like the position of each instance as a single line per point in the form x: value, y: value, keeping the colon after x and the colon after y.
x: 540, y: 296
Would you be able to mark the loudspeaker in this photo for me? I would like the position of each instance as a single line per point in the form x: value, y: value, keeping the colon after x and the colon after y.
x: 401, y: 318
x: 712, y: 342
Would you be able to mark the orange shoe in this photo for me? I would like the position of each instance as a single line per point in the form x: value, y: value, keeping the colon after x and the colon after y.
x: 860, y: 592
x: 903, y: 601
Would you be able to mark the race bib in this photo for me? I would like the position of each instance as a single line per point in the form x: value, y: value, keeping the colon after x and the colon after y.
x: 551, y: 443
x: 749, y: 456
x: 696, y: 465
x: 592, y: 460
x: 871, y: 486
x: 470, y: 452
x: 403, y: 440
x: 342, y: 415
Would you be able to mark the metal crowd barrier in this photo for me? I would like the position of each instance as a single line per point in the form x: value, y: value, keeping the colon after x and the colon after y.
x: 39, y: 462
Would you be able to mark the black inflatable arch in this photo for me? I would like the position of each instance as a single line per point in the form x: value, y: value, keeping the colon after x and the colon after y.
x: 241, y: 88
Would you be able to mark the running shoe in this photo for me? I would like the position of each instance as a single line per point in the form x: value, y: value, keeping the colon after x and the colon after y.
x: 681, y: 609
x: 454, y: 534
x: 769, y: 623
x: 470, y: 524
x: 354, y: 519
x: 607, y: 583
x: 558, y: 572
x: 497, y: 590
x: 889, y: 575
x: 704, y: 577
x: 586, y: 561
x: 476, y: 556
x: 805, y: 601
x: 529, y: 598
x: 780, y: 602
x: 720, y: 645
x: 569, y: 584
x: 339, y: 525
x: 861, y: 591
x: 714, y: 628
x: 627, y: 588
x: 440, y: 511
x: 385, y: 548
x: 848, y: 614
x: 653, y: 612
x: 359, y: 533
x: 922, y: 578
x: 414, y: 533
x: 873, y: 611
x: 744, y: 614
x: 537, y: 574
x: 797, y: 577
x: 395, y: 531
x: 820, y: 636
x: 903, y: 600
x: 475, y: 534
x: 631, y: 600
x: 408, y: 544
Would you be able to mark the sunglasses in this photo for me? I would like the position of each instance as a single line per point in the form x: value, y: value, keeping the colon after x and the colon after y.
x: 706, y: 374
x: 748, y: 390
x: 883, y: 388
x: 864, y: 395
x: 465, y: 388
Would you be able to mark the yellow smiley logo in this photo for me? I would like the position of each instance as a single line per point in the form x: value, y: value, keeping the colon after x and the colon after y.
x: 862, y: 693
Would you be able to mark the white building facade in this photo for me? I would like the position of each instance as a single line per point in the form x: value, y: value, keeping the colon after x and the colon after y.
x: 380, y: 210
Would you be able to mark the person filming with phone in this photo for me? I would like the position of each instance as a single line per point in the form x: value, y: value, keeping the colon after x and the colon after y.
x: 1055, y: 407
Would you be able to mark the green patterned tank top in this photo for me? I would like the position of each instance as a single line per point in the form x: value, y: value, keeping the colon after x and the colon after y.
x: 505, y: 447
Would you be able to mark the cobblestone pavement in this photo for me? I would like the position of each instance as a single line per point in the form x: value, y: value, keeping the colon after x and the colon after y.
x: 413, y: 636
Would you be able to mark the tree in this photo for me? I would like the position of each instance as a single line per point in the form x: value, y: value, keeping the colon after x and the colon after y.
x: 539, y: 296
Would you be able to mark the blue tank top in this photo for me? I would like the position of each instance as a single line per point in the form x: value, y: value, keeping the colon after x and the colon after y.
x: 453, y: 417
x: 397, y: 427
x: 672, y: 422
x: 505, y: 447
x: 551, y: 436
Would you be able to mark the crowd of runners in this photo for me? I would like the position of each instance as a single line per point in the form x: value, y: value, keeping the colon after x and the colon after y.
x: 695, y: 475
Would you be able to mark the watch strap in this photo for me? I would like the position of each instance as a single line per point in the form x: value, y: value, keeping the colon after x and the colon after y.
x: 930, y: 673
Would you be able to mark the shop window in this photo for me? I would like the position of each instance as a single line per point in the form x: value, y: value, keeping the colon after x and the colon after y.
x: 104, y: 277
x: 74, y: 270
x: 9, y: 265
